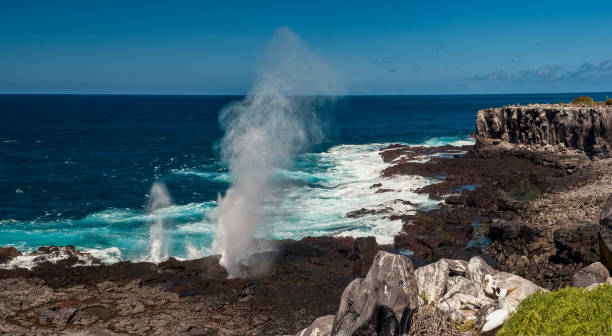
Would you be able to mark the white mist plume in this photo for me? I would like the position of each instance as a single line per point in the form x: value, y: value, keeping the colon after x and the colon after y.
x: 262, y: 134
x: 158, y: 247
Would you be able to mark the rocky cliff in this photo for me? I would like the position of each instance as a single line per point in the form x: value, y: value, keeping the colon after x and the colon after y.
x: 586, y: 128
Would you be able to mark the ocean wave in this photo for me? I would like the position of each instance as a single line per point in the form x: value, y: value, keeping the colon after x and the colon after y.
x: 452, y: 141
x: 342, y: 179
x: 108, y: 255
x: 222, y: 177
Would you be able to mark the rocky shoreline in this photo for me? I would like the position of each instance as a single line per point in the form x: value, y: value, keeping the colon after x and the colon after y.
x: 537, y: 195
x: 526, y: 199
x: 192, y: 297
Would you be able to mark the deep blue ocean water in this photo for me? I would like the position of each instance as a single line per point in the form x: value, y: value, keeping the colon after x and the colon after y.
x: 78, y: 169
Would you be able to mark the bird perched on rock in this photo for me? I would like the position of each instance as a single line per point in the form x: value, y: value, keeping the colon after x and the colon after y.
x: 490, y: 289
x: 496, y: 318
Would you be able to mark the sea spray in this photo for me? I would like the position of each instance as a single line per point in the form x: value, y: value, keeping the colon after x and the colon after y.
x: 277, y: 120
x: 158, y: 245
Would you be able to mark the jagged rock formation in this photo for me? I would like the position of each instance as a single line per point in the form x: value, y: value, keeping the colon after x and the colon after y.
x: 381, y: 303
x: 586, y: 128
x: 455, y: 294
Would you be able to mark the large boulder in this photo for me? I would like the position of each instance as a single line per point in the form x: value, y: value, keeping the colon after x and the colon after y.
x: 476, y: 270
x: 431, y: 281
x: 320, y: 327
x: 382, y: 302
x: 592, y: 274
x: 605, y: 234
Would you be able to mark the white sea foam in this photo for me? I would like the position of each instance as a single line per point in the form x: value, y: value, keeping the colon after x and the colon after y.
x: 315, y: 200
x: 347, y: 186
x: 108, y: 255
x: 31, y: 259
x: 213, y: 176
x: 453, y: 141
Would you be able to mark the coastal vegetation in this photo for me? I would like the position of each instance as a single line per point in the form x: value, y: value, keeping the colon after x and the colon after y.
x: 568, y: 311
x: 583, y: 100
x: 586, y: 100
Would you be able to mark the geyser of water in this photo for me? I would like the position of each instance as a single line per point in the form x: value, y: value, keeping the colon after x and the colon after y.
x: 158, y: 246
x: 263, y: 133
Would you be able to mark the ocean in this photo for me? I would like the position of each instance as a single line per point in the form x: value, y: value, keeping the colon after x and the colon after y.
x: 79, y: 169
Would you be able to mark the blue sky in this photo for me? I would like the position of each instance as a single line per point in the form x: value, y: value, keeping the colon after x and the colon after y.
x: 378, y: 47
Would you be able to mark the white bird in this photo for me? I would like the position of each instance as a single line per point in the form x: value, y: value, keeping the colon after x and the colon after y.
x: 488, y: 286
x: 497, y: 318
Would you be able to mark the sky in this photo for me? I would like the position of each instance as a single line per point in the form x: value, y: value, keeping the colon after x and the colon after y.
x: 377, y: 47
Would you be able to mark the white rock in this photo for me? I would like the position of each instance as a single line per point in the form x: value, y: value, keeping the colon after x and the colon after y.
x: 431, y: 281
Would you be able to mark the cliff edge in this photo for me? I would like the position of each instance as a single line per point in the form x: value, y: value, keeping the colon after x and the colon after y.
x: 552, y: 126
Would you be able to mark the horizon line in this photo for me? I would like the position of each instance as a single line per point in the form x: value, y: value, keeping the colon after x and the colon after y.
x: 305, y: 95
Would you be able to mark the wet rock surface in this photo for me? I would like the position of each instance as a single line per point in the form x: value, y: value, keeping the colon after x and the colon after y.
x: 8, y: 253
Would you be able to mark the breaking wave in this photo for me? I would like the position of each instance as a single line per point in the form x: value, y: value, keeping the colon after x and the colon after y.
x: 317, y: 195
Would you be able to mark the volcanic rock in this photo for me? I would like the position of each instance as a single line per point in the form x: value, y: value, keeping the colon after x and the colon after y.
x: 431, y: 281
x: 592, y: 274
x: 8, y: 253
x: 605, y: 234
x: 382, y: 302
x: 320, y: 327
x: 189, y: 297
x: 586, y: 128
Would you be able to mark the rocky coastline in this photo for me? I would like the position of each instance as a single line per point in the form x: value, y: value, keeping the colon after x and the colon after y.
x: 529, y: 202
x: 537, y: 197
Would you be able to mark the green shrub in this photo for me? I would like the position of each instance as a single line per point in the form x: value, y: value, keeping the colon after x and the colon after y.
x: 585, y: 100
x: 568, y: 311
x: 608, y: 101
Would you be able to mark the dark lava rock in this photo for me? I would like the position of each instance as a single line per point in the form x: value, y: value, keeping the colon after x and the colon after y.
x: 605, y: 234
x: 504, y: 230
x: 365, y: 212
x: 8, y: 253
x: 576, y: 244
x: 305, y: 280
x: 394, y: 152
x: 592, y: 274
x: 587, y: 128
